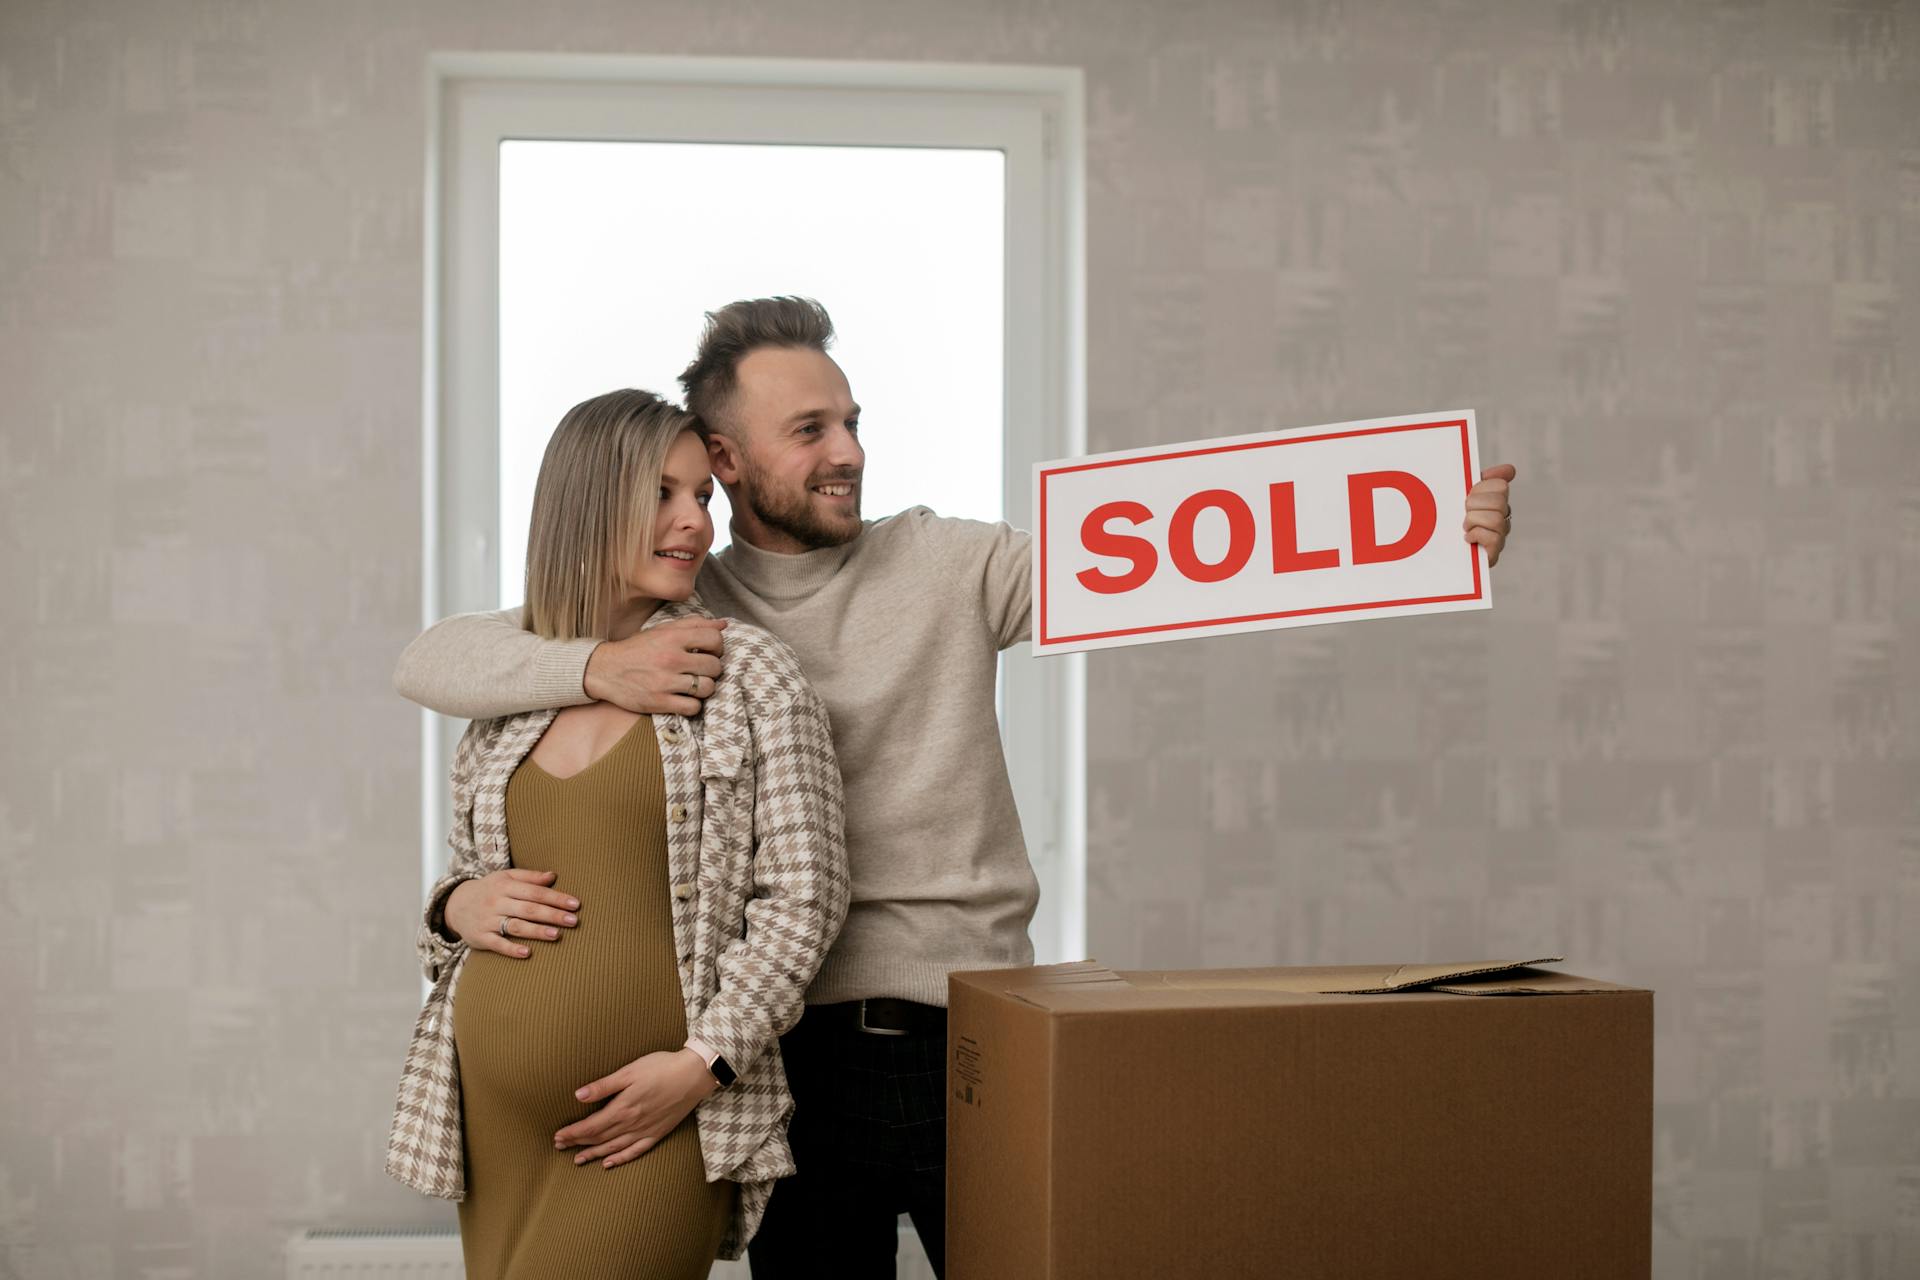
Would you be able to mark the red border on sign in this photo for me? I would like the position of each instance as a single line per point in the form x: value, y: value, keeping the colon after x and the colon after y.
x: 1473, y: 551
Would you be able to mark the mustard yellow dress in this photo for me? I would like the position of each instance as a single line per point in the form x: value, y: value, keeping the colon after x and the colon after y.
x: 529, y: 1032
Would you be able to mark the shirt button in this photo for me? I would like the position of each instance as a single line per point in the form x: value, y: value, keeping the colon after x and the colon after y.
x: 673, y: 733
x: 683, y: 891
x: 677, y: 813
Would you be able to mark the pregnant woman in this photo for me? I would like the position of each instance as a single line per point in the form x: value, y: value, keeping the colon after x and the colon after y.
x: 634, y: 907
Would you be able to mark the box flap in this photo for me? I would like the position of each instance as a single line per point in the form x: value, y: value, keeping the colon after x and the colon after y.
x: 1334, y: 979
x: 1089, y: 986
x: 1530, y: 982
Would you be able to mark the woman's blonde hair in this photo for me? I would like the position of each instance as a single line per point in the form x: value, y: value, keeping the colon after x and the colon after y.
x: 593, y: 509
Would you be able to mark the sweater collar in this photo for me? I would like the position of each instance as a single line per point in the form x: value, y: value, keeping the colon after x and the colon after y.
x: 775, y: 575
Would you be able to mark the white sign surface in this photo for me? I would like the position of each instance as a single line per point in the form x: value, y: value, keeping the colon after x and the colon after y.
x: 1282, y: 529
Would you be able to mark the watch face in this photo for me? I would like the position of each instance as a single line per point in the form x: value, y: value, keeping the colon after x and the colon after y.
x: 721, y: 1070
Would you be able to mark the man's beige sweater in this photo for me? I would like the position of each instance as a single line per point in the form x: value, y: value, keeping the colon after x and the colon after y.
x: 899, y: 632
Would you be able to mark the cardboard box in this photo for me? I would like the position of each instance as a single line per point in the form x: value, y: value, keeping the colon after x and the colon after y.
x: 1406, y: 1121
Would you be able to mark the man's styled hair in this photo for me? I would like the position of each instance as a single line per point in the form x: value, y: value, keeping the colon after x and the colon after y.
x: 738, y: 329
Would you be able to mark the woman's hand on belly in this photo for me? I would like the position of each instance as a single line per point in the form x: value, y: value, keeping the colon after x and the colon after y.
x: 646, y: 1100
x: 516, y: 899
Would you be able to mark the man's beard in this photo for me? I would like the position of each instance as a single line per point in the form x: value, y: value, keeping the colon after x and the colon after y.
x: 793, y: 513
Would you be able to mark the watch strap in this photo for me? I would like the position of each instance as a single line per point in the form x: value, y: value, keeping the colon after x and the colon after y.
x: 718, y: 1066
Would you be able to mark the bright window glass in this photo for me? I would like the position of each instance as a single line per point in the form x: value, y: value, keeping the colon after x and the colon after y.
x: 611, y: 253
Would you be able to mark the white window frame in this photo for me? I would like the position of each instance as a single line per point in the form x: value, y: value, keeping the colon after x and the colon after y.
x: 1035, y: 115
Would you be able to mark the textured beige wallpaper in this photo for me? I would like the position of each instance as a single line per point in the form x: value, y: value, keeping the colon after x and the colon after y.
x: 1669, y: 251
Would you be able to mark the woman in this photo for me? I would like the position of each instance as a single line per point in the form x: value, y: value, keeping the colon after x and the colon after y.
x: 637, y: 905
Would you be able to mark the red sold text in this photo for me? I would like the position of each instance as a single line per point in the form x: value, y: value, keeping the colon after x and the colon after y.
x: 1099, y: 536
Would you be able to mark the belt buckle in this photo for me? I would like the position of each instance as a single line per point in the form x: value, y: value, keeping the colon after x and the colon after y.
x: 860, y: 1023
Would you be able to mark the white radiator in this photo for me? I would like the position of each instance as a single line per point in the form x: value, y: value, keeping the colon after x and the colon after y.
x: 395, y: 1253
x: 402, y: 1253
x: 433, y: 1253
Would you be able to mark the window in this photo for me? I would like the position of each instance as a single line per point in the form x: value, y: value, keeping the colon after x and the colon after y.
x: 583, y: 212
x: 611, y: 253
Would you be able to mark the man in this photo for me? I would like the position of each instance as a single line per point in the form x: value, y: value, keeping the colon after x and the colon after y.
x: 898, y: 623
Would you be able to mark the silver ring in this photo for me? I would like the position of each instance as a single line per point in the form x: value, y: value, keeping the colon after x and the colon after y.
x: 503, y: 927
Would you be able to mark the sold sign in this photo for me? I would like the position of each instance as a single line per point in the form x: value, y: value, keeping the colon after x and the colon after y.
x: 1284, y: 529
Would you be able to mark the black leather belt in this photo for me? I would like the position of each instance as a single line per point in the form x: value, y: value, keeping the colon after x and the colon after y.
x: 880, y: 1016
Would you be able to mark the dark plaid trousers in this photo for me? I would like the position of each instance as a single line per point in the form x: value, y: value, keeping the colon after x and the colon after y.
x: 869, y: 1138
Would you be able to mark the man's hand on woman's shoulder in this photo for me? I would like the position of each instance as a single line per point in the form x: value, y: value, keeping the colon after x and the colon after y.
x: 670, y: 669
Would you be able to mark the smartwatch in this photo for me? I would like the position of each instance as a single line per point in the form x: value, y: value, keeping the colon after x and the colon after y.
x: 721, y: 1069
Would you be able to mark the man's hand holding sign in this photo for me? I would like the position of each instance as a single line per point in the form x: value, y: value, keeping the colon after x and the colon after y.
x: 1288, y: 528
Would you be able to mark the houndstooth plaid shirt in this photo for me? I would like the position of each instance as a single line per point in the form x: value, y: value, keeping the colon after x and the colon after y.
x: 757, y: 862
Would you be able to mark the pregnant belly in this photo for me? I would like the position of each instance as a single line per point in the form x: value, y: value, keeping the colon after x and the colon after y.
x: 529, y: 1032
